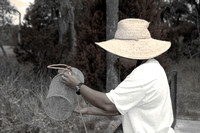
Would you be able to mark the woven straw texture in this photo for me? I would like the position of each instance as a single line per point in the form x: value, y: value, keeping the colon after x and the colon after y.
x: 133, y: 40
x: 61, y: 100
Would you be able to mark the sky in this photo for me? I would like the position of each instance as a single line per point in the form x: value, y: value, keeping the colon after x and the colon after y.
x: 21, y: 5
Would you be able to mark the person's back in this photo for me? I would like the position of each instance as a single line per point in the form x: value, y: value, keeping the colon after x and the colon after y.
x: 143, y: 99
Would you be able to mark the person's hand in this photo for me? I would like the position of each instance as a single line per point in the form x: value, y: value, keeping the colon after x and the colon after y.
x: 69, y: 78
x: 82, y: 107
x: 62, y: 71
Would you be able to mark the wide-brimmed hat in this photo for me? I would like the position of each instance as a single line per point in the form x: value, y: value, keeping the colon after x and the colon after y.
x: 133, y: 40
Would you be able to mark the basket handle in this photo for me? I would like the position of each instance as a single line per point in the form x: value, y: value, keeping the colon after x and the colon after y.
x: 60, y: 67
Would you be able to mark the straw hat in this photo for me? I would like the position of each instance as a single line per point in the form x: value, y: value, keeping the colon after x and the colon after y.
x: 133, y: 40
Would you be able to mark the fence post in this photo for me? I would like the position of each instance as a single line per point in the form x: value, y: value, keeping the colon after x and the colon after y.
x: 172, y: 79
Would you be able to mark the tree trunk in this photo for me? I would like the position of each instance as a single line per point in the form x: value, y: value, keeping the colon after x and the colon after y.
x: 112, y: 79
x: 66, y: 24
x: 19, y: 27
x: 172, y: 79
x: 4, y: 52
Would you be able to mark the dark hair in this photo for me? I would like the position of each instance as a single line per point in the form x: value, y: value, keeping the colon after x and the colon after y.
x: 139, y: 62
x: 123, y: 71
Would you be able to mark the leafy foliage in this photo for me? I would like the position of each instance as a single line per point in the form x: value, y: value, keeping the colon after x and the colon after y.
x: 90, y: 57
x: 39, y: 39
x: 149, y: 10
x: 145, y: 9
x: 183, y: 20
x: 6, y: 29
x: 8, y: 35
x: 6, y: 10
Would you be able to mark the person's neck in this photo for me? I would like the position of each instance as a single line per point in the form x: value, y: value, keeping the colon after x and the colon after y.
x: 139, y: 62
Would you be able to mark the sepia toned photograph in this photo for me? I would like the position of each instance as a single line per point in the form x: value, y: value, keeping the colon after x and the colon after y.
x: 99, y: 66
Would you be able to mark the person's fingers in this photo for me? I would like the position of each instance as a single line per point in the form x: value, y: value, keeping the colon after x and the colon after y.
x: 76, y: 111
x: 69, y: 67
x: 64, y: 78
x: 67, y: 73
x: 83, y: 103
x: 61, y: 71
x: 68, y: 82
x: 77, y: 107
x: 82, y: 110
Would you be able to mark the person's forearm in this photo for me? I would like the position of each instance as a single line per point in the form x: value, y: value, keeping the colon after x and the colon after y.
x: 97, y: 99
x: 97, y: 111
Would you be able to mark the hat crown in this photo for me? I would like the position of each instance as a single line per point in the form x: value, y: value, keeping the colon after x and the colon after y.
x: 132, y: 29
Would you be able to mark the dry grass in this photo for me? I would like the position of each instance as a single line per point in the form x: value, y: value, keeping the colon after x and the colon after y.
x: 21, y: 97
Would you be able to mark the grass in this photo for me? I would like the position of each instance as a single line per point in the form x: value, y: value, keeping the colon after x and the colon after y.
x: 22, y: 94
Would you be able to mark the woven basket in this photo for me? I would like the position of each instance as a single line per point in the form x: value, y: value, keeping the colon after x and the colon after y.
x: 61, y: 99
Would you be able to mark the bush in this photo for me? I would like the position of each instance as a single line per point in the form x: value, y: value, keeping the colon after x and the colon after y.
x: 39, y: 39
x: 90, y: 58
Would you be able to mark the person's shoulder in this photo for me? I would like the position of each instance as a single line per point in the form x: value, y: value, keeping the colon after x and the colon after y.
x: 148, y: 65
x: 150, y: 68
x: 151, y: 64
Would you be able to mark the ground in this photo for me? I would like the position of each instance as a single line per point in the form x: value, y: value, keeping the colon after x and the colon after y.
x: 187, y: 126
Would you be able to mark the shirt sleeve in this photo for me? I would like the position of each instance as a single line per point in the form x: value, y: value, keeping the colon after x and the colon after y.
x: 129, y: 92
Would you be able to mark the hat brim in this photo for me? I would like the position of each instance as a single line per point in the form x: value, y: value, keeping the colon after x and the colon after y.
x: 132, y: 49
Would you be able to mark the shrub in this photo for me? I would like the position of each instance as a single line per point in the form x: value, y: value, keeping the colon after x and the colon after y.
x: 39, y: 39
x: 90, y: 58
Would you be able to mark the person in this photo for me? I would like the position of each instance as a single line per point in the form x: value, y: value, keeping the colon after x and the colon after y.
x: 143, y: 97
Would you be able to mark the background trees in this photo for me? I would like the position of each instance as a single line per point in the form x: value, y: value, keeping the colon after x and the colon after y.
x: 56, y: 32
x: 42, y: 41
x: 50, y: 34
x: 183, y: 20
x: 6, y: 11
x: 90, y: 58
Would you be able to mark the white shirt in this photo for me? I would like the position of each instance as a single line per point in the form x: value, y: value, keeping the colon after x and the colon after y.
x: 143, y: 99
